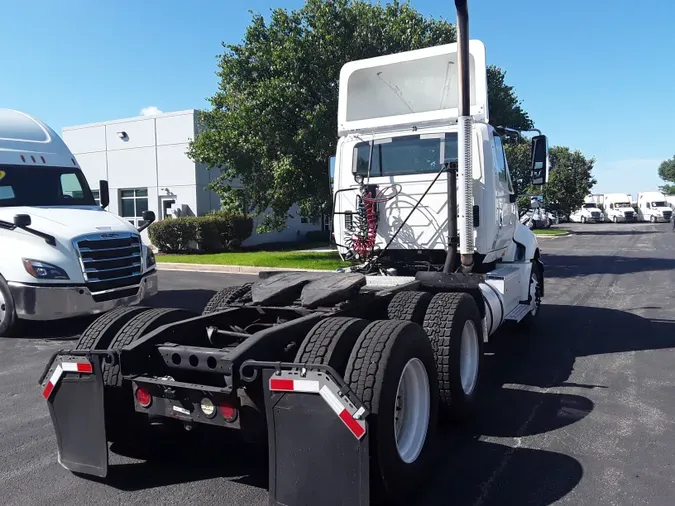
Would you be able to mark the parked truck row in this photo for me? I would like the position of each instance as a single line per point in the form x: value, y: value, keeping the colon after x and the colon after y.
x: 651, y: 206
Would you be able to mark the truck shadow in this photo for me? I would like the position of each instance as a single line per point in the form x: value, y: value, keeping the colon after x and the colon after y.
x: 570, y: 266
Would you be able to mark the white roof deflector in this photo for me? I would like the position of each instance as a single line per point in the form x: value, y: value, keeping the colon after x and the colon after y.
x: 412, y: 88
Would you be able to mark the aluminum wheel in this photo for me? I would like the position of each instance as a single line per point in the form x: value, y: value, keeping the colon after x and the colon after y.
x: 3, y: 308
x: 411, y: 412
x: 468, y: 358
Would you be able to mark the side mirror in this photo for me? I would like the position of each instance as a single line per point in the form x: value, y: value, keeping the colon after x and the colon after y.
x: 148, y: 217
x: 22, y: 220
x: 104, y: 193
x: 539, y: 169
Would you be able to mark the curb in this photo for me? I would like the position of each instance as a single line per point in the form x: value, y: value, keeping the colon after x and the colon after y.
x: 228, y: 269
x: 546, y: 236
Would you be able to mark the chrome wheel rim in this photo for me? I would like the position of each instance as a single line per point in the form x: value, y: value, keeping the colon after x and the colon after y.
x: 412, y: 410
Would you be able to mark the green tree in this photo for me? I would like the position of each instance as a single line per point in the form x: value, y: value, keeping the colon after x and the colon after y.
x: 667, y: 173
x: 272, y: 124
x: 570, y: 179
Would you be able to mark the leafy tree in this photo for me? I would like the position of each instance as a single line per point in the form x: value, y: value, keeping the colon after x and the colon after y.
x: 667, y: 173
x: 272, y: 124
x: 570, y: 179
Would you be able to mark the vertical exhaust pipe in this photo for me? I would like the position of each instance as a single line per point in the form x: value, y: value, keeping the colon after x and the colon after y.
x: 465, y: 169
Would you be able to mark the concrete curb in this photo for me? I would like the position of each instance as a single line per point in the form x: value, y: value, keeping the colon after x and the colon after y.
x: 538, y: 236
x: 226, y: 269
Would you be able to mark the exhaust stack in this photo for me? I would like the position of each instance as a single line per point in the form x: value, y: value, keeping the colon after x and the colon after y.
x: 465, y: 168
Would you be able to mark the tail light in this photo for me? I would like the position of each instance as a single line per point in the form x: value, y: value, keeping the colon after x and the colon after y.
x: 228, y: 411
x: 143, y: 397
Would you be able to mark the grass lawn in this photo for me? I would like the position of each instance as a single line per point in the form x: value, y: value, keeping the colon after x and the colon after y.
x: 284, y: 259
x: 549, y: 231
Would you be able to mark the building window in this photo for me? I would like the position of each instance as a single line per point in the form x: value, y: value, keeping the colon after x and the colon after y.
x: 303, y: 219
x: 133, y: 203
x: 97, y: 196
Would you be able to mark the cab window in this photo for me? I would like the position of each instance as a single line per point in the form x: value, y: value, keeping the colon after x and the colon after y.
x: 502, y: 169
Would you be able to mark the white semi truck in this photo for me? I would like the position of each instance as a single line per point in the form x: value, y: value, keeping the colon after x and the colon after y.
x: 653, y: 206
x: 618, y: 208
x: 347, y: 373
x: 62, y: 255
x: 589, y: 212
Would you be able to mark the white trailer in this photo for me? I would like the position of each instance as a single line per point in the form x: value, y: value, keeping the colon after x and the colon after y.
x: 653, y: 207
x: 618, y: 208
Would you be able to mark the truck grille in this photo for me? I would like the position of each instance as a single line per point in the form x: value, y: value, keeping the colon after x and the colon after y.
x: 629, y: 214
x: 110, y: 261
x: 595, y: 214
x: 667, y: 215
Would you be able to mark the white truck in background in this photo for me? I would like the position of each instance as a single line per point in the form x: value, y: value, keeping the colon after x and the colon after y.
x: 618, y: 208
x: 653, y: 207
x: 670, y: 200
x: 62, y: 255
x: 589, y: 212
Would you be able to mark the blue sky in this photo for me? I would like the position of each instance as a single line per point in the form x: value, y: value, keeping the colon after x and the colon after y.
x: 594, y: 75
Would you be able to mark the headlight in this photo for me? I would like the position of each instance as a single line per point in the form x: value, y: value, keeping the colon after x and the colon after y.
x: 42, y: 270
x: 149, y: 258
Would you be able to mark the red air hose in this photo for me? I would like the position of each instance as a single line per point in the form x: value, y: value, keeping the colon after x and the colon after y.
x: 363, y: 234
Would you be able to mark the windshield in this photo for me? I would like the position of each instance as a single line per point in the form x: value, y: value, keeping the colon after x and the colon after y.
x: 590, y: 206
x: 30, y: 185
x: 622, y: 204
x: 411, y: 154
x: 659, y: 204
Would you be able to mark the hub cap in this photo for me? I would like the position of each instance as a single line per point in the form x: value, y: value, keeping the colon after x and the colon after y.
x: 411, y: 412
x: 536, y: 295
x: 469, y: 357
x: 3, y: 308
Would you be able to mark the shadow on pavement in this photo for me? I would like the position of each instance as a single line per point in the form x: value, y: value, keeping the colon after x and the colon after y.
x: 570, y: 266
x: 619, y: 232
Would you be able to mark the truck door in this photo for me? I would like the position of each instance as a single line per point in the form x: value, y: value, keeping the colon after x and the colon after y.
x: 506, y: 211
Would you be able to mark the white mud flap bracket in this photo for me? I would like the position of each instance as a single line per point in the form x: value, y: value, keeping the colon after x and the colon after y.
x: 72, y: 385
x: 318, y: 436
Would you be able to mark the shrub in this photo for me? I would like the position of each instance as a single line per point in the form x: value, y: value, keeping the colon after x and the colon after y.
x: 213, y: 233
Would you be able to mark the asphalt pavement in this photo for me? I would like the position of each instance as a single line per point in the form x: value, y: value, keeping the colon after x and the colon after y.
x: 579, y: 411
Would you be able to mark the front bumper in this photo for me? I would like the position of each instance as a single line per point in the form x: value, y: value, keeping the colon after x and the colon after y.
x: 53, y: 302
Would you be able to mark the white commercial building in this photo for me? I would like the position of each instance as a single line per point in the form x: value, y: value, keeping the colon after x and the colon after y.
x: 145, y: 163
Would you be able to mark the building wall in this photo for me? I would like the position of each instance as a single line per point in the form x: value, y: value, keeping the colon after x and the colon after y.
x: 147, y: 169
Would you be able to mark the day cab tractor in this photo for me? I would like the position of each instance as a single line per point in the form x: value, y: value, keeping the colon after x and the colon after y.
x: 344, y: 375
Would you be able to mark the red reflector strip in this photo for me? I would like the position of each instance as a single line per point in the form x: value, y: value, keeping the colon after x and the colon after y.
x: 290, y: 385
x: 53, y: 380
x: 352, y: 424
x: 82, y: 367
x: 48, y: 390
x: 357, y: 427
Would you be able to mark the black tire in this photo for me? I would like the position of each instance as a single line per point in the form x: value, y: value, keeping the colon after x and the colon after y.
x: 652, y: 218
x: 330, y: 342
x: 409, y: 306
x: 227, y: 296
x: 99, y: 334
x: 583, y: 219
x: 135, y: 328
x: 9, y: 322
x: 446, y: 317
x: 537, y: 274
x: 123, y: 424
x: 375, y: 366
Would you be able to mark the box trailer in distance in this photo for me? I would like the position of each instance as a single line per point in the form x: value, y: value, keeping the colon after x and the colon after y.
x: 61, y: 254
x: 348, y: 373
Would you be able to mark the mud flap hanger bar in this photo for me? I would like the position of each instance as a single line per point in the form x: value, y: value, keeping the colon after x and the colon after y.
x: 278, y: 367
x: 111, y: 357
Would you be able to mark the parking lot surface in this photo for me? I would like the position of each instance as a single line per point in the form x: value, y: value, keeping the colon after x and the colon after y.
x: 579, y: 411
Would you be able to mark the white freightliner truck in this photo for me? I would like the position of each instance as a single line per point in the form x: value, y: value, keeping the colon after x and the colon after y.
x: 618, y: 208
x: 62, y: 255
x: 347, y: 373
x: 653, y: 207
x: 589, y: 212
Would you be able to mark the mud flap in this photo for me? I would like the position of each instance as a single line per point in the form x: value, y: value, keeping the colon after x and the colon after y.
x: 318, y: 440
x: 73, y: 388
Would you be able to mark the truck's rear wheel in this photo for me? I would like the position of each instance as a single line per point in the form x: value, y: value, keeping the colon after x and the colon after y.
x: 453, y: 325
x: 330, y: 342
x: 99, y: 334
x: 9, y: 322
x: 391, y: 369
x: 583, y: 219
x: 409, y: 306
x: 226, y: 296
x: 123, y: 424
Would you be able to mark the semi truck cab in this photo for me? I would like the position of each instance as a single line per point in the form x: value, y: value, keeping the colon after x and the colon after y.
x: 588, y: 213
x: 62, y: 254
x: 654, y: 207
x: 618, y: 208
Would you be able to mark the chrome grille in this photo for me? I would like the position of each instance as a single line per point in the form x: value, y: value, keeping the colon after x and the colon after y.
x: 667, y: 214
x: 111, y: 260
x: 629, y: 214
x: 595, y: 214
